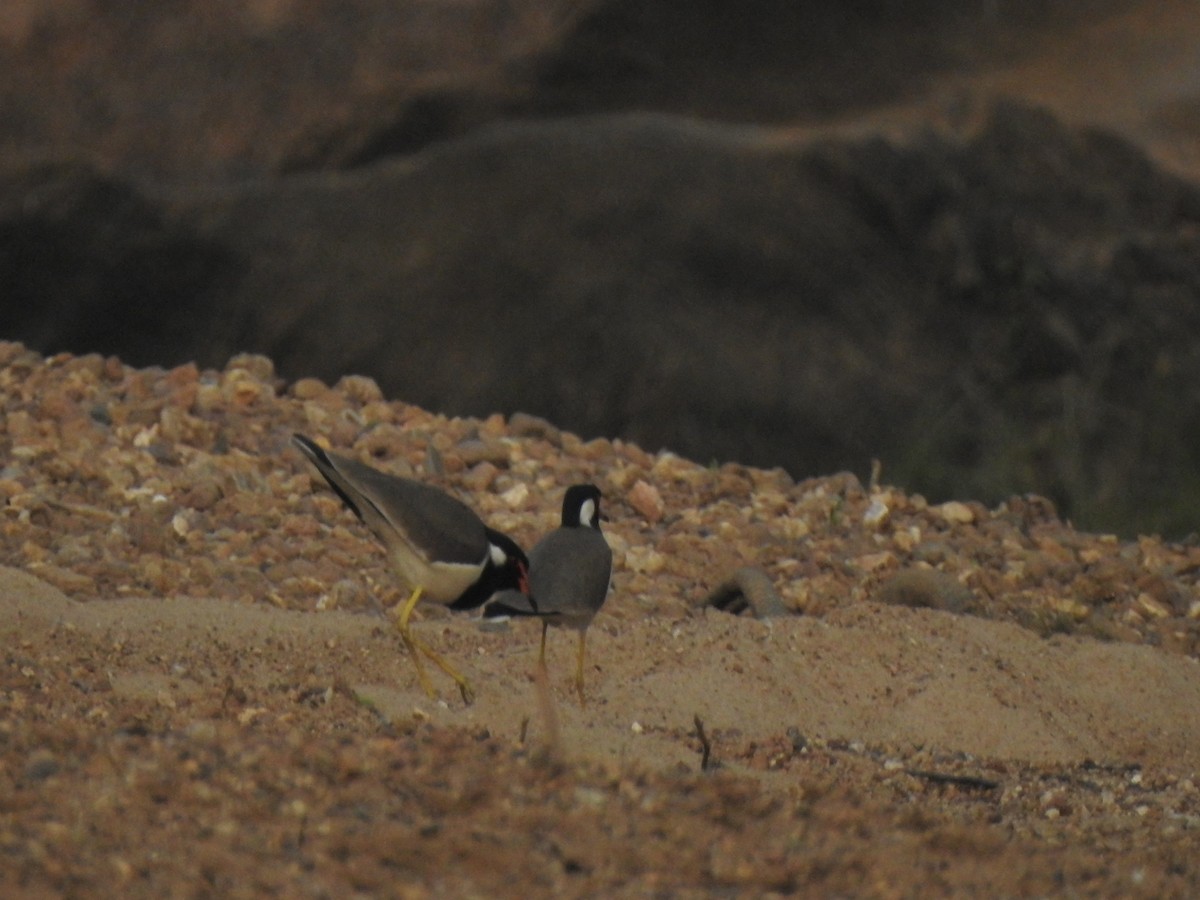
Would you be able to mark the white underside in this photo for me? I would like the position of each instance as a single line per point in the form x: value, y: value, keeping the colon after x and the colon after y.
x: 443, y: 582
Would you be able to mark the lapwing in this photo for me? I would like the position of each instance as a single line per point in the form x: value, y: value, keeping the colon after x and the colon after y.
x: 440, y: 549
x: 570, y: 571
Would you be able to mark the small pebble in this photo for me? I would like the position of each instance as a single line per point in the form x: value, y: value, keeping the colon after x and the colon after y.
x: 524, y: 425
x: 646, y: 499
x: 877, y: 513
x: 956, y: 513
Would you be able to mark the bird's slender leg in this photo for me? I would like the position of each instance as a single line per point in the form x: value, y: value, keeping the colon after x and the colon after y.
x: 464, y: 686
x: 411, y: 642
x: 579, y: 668
x: 542, y: 654
x: 416, y: 647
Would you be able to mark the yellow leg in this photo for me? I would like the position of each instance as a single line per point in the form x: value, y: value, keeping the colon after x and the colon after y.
x: 416, y: 648
x: 464, y: 686
x: 579, y: 668
x: 410, y: 642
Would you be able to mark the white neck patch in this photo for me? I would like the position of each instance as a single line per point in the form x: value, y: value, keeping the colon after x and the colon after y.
x: 499, y: 557
x: 587, y: 513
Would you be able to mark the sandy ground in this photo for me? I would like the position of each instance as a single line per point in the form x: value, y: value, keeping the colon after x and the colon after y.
x: 189, y: 745
x: 911, y: 678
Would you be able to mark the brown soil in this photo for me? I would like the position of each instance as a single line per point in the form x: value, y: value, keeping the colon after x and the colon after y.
x: 201, y: 694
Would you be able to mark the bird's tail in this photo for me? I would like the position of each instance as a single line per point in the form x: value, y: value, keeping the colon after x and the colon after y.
x: 329, y: 470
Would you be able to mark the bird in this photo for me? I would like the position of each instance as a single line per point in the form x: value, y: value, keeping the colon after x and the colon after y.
x: 440, y: 549
x: 570, y: 572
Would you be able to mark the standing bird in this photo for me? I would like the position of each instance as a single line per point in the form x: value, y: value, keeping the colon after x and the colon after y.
x: 570, y: 570
x: 440, y: 549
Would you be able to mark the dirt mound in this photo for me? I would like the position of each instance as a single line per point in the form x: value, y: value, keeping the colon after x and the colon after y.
x: 219, y: 701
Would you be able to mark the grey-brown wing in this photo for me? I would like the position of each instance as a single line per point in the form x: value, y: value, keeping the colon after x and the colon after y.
x: 429, y: 519
x: 569, y: 573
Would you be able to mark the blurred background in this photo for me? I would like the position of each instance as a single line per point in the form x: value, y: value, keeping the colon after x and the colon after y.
x: 962, y: 238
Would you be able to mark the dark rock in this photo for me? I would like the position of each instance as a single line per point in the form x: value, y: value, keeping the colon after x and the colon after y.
x: 88, y: 263
x: 709, y: 289
x: 749, y: 589
x: 926, y: 588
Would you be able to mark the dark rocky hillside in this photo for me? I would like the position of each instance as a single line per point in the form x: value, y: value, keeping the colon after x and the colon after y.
x: 799, y: 239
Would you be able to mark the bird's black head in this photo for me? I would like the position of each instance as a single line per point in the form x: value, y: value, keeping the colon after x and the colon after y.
x: 509, y: 561
x: 507, y: 568
x: 581, y: 506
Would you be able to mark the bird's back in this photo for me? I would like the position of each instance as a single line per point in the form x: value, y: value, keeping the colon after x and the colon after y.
x: 419, y: 513
x: 569, y: 572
